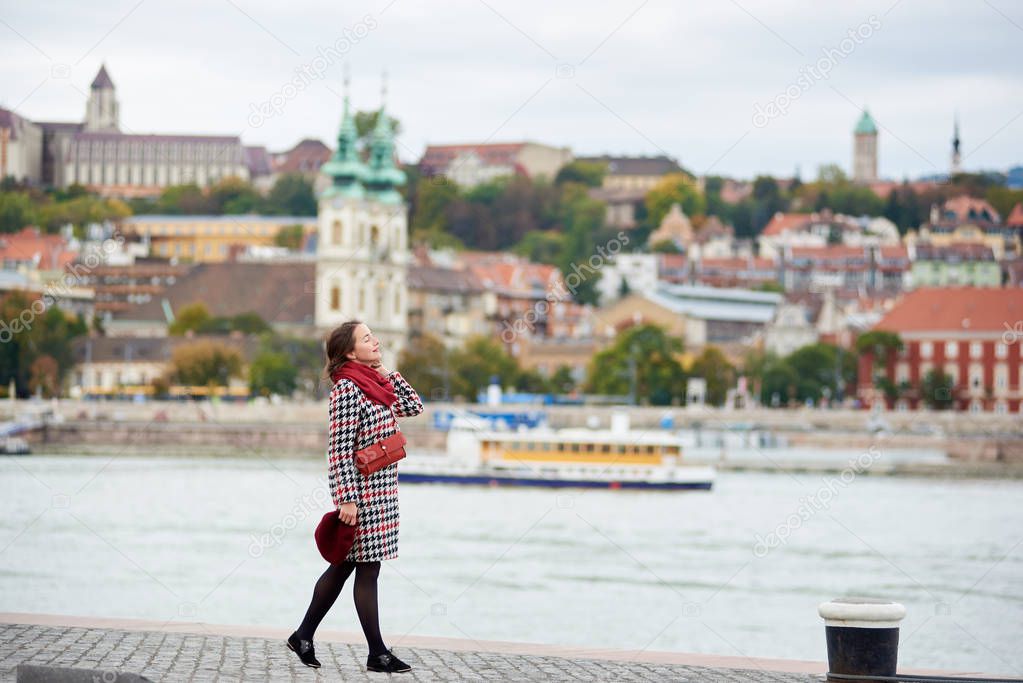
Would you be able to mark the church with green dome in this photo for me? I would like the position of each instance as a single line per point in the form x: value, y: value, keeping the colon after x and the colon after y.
x: 362, y: 252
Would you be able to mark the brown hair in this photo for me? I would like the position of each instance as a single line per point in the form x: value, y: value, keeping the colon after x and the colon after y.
x: 340, y: 341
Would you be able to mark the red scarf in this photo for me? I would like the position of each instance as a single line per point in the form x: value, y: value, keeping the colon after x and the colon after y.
x: 376, y: 387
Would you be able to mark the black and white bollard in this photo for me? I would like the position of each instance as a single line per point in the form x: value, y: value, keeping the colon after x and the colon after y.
x: 862, y: 635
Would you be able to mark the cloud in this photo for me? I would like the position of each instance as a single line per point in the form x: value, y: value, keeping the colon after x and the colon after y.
x: 647, y: 77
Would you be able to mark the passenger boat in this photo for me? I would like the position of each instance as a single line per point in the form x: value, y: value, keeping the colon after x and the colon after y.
x: 615, y: 458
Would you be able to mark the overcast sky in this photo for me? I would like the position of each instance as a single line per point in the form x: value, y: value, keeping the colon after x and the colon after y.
x: 630, y: 77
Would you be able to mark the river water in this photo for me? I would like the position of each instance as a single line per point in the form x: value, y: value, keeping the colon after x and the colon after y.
x: 739, y: 570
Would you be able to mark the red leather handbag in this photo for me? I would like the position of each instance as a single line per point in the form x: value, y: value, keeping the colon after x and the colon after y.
x: 381, y: 454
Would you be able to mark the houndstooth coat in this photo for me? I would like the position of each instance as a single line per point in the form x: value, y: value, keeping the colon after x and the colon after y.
x: 355, y: 423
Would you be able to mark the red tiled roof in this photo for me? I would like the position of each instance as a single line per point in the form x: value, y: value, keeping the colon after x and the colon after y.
x: 516, y: 277
x: 305, y: 157
x: 894, y: 251
x: 955, y: 309
x: 783, y: 222
x: 830, y: 251
x: 29, y: 243
x: 503, y: 154
x: 738, y: 263
x: 1015, y: 218
x: 963, y: 205
x: 671, y: 261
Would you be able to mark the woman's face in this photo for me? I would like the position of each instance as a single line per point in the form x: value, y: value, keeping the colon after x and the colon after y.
x: 367, y: 348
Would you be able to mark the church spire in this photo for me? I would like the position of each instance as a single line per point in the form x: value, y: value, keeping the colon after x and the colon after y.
x: 956, y: 153
x: 384, y: 176
x: 346, y: 170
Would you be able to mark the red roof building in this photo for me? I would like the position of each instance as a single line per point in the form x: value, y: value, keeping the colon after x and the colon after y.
x: 972, y: 335
x: 34, y: 250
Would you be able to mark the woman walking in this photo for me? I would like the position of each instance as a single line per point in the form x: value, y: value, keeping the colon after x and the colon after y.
x: 364, y: 402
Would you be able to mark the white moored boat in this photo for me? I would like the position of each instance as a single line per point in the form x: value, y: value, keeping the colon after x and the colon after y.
x: 606, y: 458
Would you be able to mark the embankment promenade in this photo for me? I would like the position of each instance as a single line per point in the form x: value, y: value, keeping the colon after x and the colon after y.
x: 177, y: 651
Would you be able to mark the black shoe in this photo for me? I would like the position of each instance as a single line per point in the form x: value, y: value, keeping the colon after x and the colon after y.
x: 387, y: 663
x: 304, y: 650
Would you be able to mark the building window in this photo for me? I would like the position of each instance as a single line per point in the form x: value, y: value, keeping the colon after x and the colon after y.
x: 335, y: 298
x: 951, y: 349
x: 926, y: 349
x: 336, y: 232
x: 902, y: 372
x: 1001, y: 350
x: 1001, y: 408
x: 976, y: 349
x: 976, y: 377
x: 952, y: 371
x: 1001, y: 377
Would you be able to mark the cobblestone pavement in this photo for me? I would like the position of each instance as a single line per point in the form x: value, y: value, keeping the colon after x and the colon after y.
x: 162, y: 656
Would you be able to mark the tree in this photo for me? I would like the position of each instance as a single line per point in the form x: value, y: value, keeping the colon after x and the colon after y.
x: 272, y: 373
x: 563, y: 381
x: 45, y: 376
x: 818, y: 366
x: 232, y: 195
x: 590, y: 173
x: 190, y: 318
x: 779, y: 383
x: 183, y: 199
x: 541, y: 246
x: 81, y: 211
x: 531, y: 381
x: 292, y: 195
x: 717, y: 371
x: 366, y: 122
x: 643, y: 357
x: 249, y: 322
x: 290, y: 237
x: 582, y: 218
x: 937, y: 389
x: 474, y: 364
x: 27, y: 335
x: 879, y: 344
x: 429, y: 210
x: 205, y: 363
x: 303, y: 354
x: 16, y: 211
x: 427, y: 365
x: 674, y: 188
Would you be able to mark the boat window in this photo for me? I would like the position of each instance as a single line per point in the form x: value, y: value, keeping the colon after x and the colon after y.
x: 621, y: 448
x: 605, y: 448
x: 588, y: 448
x: 649, y: 449
x: 515, y: 445
x: 575, y: 448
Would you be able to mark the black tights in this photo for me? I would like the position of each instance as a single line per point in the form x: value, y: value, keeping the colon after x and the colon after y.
x: 328, y: 587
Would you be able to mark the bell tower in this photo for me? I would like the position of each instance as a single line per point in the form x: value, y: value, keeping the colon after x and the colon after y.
x: 362, y: 250
x: 101, y: 110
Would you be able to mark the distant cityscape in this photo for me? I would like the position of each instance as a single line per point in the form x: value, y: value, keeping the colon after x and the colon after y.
x: 902, y: 294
